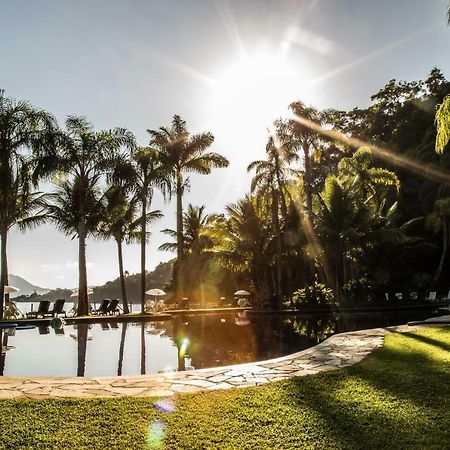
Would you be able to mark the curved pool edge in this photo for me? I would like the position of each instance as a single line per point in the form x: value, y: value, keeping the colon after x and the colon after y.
x: 339, y: 350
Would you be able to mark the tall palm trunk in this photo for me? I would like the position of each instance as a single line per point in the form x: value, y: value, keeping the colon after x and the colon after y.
x: 143, y: 243
x: 122, y: 278
x: 307, y: 179
x: 276, y: 221
x: 180, y: 236
x: 4, y: 268
x: 83, y: 307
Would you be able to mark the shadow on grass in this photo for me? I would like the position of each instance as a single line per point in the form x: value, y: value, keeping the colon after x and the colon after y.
x: 398, y: 397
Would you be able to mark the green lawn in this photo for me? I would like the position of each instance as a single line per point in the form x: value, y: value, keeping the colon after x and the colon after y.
x: 398, y: 397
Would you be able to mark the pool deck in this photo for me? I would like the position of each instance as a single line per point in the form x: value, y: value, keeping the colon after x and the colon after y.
x: 340, y: 350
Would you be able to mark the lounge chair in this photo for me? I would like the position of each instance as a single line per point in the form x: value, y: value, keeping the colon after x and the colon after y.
x: 431, y: 297
x: 43, y: 309
x: 113, y: 307
x: 58, y: 308
x: 399, y: 296
x: 103, y: 308
x: 413, y: 295
x: 386, y: 296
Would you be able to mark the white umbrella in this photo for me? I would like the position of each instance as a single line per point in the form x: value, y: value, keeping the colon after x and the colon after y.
x: 242, y: 293
x: 157, y: 292
x: 10, y: 289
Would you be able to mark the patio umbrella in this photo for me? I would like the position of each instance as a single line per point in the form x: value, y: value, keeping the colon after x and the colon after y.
x: 242, y: 293
x: 10, y: 289
x: 155, y: 292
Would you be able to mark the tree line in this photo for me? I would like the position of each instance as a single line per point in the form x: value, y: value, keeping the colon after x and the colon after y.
x: 355, y: 201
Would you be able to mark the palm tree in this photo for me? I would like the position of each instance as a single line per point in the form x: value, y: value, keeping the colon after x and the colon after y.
x: 25, y: 147
x: 306, y: 140
x: 443, y: 124
x: 85, y: 156
x: 270, y: 181
x: 183, y: 153
x: 197, y: 243
x: 120, y: 222
x: 76, y: 209
x: 141, y: 174
x: 243, y: 242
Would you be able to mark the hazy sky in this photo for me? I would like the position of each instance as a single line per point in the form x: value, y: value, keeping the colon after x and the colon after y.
x: 230, y: 67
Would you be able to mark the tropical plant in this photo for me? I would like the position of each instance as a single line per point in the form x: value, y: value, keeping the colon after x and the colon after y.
x: 270, y: 182
x: 197, y: 248
x: 142, y: 174
x: 120, y: 222
x: 26, y: 134
x: 316, y: 294
x: 443, y: 125
x: 243, y: 243
x: 85, y: 155
x: 306, y: 139
x: 76, y: 209
x: 182, y: 153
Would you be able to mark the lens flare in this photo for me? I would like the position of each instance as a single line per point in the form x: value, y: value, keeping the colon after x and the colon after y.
x: 183, y: 347
x: 155, y: 434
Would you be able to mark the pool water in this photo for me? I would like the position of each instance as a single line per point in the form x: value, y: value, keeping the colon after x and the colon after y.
x: 182, y: 343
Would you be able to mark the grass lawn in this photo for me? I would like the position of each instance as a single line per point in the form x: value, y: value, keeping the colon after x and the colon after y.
x: 398, y: 397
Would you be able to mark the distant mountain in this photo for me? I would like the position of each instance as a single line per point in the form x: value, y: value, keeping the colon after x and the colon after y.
x: 24, y: 286
x: 157, y: 278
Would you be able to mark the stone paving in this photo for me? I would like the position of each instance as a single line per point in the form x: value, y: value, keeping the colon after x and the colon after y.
x: 340, y: 350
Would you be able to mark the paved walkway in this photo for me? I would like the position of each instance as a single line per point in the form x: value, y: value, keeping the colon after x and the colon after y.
x: 340, y: 350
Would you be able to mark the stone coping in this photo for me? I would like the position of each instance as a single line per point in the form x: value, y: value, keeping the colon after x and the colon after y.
x: 340, y: 350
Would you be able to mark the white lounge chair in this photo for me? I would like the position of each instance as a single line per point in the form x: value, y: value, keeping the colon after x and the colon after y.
x: 413, y: 295
x: 399, y: 296
x: 431, y: 297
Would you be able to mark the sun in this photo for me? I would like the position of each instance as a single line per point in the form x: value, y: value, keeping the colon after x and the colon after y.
x: 252, y: 91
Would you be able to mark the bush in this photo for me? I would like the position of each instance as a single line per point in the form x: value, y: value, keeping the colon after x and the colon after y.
x: 359, y: 291
x: 316, y: 294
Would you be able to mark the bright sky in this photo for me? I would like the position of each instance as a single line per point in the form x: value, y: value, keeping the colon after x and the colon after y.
x: 229, y: 67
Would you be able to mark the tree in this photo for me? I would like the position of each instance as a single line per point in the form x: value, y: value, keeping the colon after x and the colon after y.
x: 306, y: 139
x: 120, y: 222
x: 243, y: 243
x: 270, y: 182
x: 443, y: 125
x: 85, y: 155
x: 182, y: 153
x: 76, y: 208
x: 141, y: 174
x: 197, y: 247
x: 25, y: 137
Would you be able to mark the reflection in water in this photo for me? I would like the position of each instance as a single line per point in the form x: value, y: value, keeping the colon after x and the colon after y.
x: 143, y: 348
x: 316, y: 329
x: 82, y: 337
x: 122, y: 347
x: 3, y: 347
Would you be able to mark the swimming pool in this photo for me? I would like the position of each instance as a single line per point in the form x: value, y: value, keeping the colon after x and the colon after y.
x: 182, y: 343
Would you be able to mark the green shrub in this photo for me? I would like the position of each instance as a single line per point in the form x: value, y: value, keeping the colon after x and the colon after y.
x: 316, y: 294
x: 358, y: 291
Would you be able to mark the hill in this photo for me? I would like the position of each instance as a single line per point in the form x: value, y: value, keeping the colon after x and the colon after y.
x: 157, y: 278
x: 24, y: 286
